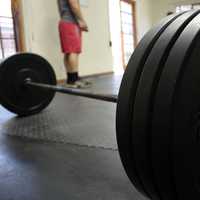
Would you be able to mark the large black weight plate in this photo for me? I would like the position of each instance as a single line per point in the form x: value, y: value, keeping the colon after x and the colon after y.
x: 17, y: 98
x: 175, y: 120
x: 142, y: 115
x: 126, y: 98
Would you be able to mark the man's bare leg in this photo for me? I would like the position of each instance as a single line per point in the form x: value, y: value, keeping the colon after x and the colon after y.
x: 71, y: 62
x: 71, y: 65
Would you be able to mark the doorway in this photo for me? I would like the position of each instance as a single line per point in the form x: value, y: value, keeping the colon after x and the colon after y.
x: 122, y: 32
x: 128, y: 29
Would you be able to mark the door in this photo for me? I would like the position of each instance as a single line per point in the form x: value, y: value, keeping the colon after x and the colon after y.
x: 128, y: 29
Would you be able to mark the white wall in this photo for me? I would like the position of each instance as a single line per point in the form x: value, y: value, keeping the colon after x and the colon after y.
x: 41, y: 34
x: 41, y: 19
x: 161, y: 7
x: 144, y: 16
x: 115, y: 31
x: 97, y: 56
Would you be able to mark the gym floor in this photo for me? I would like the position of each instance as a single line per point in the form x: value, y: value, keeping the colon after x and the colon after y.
x: 67, y: 152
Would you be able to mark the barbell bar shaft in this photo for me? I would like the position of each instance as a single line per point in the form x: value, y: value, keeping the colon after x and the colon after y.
x: 75, y: 92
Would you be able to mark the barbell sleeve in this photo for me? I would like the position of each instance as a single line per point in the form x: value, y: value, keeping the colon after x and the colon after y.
x: 75, y: 92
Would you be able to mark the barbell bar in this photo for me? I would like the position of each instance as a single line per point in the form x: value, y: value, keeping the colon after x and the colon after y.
x: 158, y: 105
x: 75, y: 92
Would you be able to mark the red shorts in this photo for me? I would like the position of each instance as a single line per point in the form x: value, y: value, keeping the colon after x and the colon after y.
x: 70, y: 37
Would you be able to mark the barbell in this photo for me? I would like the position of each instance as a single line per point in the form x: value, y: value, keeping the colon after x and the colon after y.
x: 157, y: 117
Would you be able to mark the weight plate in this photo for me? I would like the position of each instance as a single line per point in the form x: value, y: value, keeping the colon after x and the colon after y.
x: 14, y: 96
x: 141, y: 126
x: 175, y: 117
x: 126, y: 98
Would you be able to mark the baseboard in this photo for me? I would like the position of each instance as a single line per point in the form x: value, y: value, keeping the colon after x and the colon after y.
x: 98, y: 74
x: 61, y: 81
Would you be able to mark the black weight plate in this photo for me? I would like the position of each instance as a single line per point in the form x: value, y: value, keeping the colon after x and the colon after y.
x: 17, y: 98
x: 141, y: 127
x: 126, y: 98
x: 177, y: 104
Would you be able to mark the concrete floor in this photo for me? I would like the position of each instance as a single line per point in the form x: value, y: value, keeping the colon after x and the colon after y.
x: 67, y: 152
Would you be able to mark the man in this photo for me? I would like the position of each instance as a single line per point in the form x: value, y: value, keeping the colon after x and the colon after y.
x: 71, y: 26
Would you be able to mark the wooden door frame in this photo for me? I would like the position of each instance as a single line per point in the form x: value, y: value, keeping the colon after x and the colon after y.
x: 135, y: 38
x: 18, y: 21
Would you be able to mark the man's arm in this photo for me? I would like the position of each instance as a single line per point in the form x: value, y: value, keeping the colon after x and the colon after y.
x: 76, y: 9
